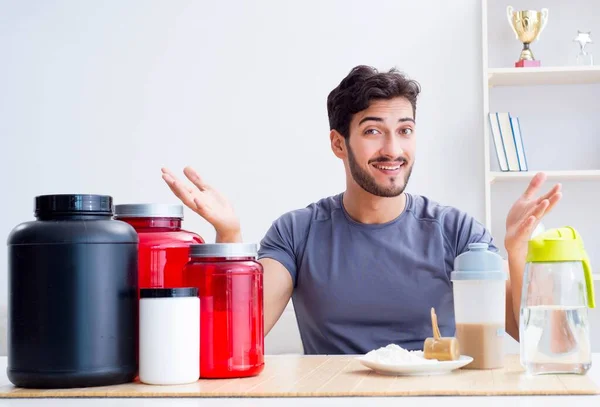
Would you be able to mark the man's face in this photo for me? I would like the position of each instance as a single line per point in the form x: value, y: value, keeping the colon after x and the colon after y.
x: 381, y: 147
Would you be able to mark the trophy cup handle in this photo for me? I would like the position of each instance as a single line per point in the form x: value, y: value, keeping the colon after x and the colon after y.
x: 544, y: 21
x: 509, y: 12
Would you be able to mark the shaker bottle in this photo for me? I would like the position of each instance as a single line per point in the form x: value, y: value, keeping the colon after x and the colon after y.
x: 479, y: 284
x: 169, y: 335
x: 558, y: 289
x: 230, y: 286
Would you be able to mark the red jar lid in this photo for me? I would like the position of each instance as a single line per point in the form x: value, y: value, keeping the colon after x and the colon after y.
x: 149, y: 211
x: 223, y: 250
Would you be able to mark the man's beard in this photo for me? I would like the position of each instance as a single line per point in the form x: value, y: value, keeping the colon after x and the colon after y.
x: 368, y: 183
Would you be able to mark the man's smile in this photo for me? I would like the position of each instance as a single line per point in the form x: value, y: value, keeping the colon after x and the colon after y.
x: 389, y: 167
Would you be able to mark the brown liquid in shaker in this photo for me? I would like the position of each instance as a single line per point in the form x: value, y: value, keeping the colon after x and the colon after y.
x: 483, y: 343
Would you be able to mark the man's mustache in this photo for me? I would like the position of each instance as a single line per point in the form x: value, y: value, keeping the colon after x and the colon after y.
x: 400, y: 160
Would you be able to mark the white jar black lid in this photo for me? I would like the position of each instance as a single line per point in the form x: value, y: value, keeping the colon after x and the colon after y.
x: 152, y: 210
x: 223, y: 250
x: 168, y: 292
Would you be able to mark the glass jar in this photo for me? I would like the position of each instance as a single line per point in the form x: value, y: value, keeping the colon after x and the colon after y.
x: 230, y: 287
x: 164, y: 246
x: 558, y: 290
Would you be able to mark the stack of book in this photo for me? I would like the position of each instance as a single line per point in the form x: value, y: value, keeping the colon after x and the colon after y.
x: 506, y: 133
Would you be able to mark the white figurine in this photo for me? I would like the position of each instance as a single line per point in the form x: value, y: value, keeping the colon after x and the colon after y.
x: 583, y: 38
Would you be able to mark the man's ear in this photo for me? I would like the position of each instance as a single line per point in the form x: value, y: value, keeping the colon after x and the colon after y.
x: 338, y: 144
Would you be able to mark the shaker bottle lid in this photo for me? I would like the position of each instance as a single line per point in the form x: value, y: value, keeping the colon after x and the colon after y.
x: 168, y: 292
x: 66, y: 204
x: 478, y: 263
x: 223, y: 250
x: 149, y: 211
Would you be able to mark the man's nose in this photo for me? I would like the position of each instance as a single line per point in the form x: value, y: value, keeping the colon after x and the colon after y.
x: 392, y: 148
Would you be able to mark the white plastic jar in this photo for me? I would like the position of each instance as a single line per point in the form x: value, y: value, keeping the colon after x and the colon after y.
x: 169, y: 335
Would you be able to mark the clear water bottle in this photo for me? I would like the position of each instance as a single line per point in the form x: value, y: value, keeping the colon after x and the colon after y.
x: 557, y: 291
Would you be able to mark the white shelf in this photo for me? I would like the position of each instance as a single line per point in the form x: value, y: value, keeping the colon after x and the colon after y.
x: 581, y: 175
x: 561, y: 75
x: 596, y: 276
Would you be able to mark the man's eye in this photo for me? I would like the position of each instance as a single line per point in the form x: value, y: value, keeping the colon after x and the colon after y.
x: 407, y: 131
x: 371, y: 131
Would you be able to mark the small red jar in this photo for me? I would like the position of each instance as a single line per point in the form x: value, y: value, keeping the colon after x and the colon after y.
x: 163, y: 248
x: 230, y: 287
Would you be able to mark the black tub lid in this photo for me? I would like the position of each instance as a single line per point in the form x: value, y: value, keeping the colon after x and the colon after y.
x: 73, y: 204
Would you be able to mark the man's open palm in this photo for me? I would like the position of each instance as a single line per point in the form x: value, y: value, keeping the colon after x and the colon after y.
x: 204, y: 200
x: 527, y: 212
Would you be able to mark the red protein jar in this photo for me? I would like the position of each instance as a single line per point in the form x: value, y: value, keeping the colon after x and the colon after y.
x: 163, y: 246
x: 230, y: 286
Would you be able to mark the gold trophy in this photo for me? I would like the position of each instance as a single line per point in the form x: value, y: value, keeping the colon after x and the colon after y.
x: 527, y: 25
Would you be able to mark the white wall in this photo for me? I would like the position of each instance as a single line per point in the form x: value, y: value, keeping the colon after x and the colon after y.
x: 97, y: 96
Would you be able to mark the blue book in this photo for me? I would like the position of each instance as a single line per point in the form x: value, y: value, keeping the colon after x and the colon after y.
x: 500, y: 153
x: 508, y: 141
x: 516, y: 129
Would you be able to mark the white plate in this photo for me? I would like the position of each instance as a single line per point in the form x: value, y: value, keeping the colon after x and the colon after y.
x: 413, y: 369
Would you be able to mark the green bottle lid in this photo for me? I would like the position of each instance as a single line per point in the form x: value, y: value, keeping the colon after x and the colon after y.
x: 558, y: 245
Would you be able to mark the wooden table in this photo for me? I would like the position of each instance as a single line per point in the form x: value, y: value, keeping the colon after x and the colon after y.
x: 297, y: 379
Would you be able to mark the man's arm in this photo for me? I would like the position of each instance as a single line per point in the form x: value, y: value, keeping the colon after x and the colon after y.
x: 278, y: 287
x: 216, y: 209
x: 522, y: 219
x: 513, y: 300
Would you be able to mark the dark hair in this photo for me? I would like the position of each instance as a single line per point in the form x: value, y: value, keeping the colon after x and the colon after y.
x: 363, y: 85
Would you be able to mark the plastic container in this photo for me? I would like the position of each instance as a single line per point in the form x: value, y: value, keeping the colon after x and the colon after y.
x: 164, y: 246
x: 72, y: 295
x: 169, y: 335
x: 558, y: 291
x: 230, y: 286
x: 479, y: 284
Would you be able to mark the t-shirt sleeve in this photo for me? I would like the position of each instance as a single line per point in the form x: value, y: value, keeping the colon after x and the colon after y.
x: 462, y: 229
x: 284, y: 239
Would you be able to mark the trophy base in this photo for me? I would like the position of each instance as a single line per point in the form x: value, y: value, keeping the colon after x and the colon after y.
x: 526, y: 63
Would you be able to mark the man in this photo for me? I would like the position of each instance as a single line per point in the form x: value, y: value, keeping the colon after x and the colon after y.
x: 365, y: 267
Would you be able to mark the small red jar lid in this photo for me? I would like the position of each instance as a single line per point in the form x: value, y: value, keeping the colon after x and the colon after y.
x: 223, y: 250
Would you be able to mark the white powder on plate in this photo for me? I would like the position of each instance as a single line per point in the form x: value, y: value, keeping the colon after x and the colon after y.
x: 396, y: 355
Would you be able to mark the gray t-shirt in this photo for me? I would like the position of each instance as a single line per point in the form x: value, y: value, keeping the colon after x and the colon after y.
x: 357, y: 286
